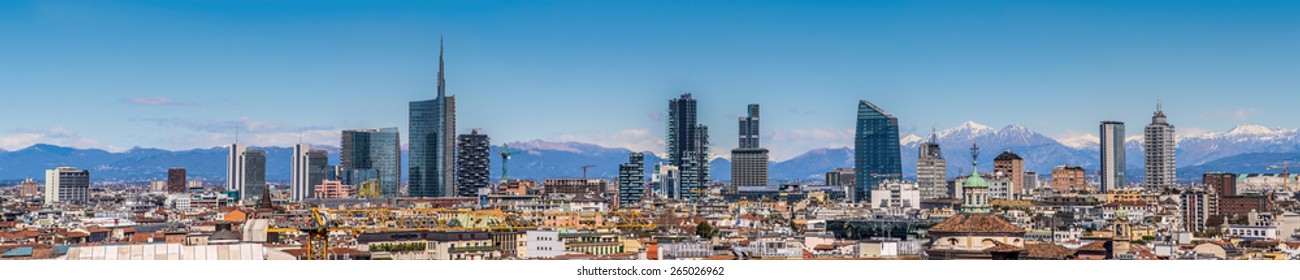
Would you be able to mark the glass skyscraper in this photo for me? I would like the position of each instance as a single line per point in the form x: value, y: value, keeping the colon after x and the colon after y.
x: 876, y: 153
x: 688, y: 147
x: 1112, y: 155
x: 372, y: 154
x: 433, y: 143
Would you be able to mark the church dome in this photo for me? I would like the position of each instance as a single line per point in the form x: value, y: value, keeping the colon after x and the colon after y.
x: 975, y: 181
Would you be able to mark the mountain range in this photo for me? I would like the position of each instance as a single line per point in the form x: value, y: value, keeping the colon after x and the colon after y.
x: 1243, y: 149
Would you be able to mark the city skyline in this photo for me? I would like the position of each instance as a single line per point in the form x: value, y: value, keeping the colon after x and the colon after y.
x: 192, y: 83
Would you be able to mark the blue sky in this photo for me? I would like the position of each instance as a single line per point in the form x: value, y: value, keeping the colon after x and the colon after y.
x: 184, y: 74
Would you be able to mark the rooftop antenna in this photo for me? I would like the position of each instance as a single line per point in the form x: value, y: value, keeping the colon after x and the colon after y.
x: 1159, y: 104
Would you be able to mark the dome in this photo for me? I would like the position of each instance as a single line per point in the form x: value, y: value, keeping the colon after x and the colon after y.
x: 975, y: 181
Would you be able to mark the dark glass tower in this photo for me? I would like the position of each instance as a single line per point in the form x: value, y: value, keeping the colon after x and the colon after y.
x: 876, y: 153
x: 688, y: 147
x: 372, y: 154
x: 631, y: 180
x: 433, y: 143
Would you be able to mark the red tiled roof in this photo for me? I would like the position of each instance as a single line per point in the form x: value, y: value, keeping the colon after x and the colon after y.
x: 975, y: 223
x: 1048, y: 251
x: 1003, y: 247
x: 1095, y: 246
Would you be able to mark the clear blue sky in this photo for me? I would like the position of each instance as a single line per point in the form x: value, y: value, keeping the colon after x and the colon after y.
x: 184, y: 74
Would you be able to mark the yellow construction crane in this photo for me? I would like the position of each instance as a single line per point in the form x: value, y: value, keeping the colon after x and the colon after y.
x: 320, y: 222
x: 1286, y: 174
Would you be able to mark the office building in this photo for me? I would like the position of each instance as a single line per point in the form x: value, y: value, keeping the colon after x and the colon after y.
x: 235, y: 167
x: 749, y: 161
x: 472, y: 159
x: 67, y: 185
x: 433, y: 143
x: 876, y: 153
x: 667, y: 181
x: 254, y: 185
x: 631, y: 180
x: 1160, y: 154
x: 931, y: 170
x: 318, y: 170
x: 300, y: 185
x: 1112, y: 156
x: 1223, y: 184
x: 688, y: 147
x: 176, y: 180
x: 575, y: 186
x: 896, y: 197
x: 840, y: 177
x: 1011, y: 166
x: 372, y: 154
x: 330, y: 189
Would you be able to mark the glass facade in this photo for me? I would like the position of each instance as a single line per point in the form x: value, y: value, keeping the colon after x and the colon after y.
x: 631, y: 180
x: 254, y: 175
x: 688, y: 147
x: 876, y: 154
x: 376, y: 150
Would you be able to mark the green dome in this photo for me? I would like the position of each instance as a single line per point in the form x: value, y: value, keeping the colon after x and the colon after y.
x: 975, y: 181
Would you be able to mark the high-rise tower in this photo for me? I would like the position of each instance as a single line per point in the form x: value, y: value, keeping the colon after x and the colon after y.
x: 932, y: 170
x: 432, y: 160
x: 472, y: 163
x: 1112, y: 155
x: 1160, y: 154
x: 876, y: 154
x: 688, y: 147
x: 749, y: 161
x: 370, y: 157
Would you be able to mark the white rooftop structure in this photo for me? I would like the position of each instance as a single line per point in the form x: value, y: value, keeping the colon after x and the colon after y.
x: 176, y: 252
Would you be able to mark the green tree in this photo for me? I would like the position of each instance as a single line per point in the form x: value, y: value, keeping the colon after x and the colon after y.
x: 704, y: 230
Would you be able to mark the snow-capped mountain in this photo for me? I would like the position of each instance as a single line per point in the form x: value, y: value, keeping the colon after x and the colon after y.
x: 1040, y: 152
x: 1243, y: 139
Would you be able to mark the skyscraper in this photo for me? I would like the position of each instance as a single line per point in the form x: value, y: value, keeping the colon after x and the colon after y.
x: 308, y: 169
x: 235, y: 168
x: 631, y: 180
x: 372, y: 154
x: 1112, y: 155
x: 1160, y: 144
x: 749, y: 161
x: 688, y: 146
x: 876, y: 154
x: 67, y: 185
x: 1011, y: 165
x: 433, y: 143
x: 176, y: 180
x: 254, y: 172
x: 474, y: 154
x: 932, y: 170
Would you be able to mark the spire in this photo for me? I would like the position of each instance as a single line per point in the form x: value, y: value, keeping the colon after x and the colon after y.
x: 975, y: 157
x: 442, y: 84
x: 1159, y: 104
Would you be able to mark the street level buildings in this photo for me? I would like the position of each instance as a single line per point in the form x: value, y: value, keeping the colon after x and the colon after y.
x: 433, y: 143
x: 688, y: 147
x: 876, y: 154
x: 1160, y: 150
x: 474, y: 154
x: 67, y: 185
x: 1112, y: 155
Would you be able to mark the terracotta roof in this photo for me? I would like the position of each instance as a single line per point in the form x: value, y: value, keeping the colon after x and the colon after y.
x: 1047, y: 251
x: 1003, y: 247
x: 1095, y: 246
x: 975, y: 223
x: 1135, y: 203
x: 824, y: 247
x: 76, y: 234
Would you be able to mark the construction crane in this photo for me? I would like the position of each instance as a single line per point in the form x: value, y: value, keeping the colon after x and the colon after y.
x: 1286, y: 173
x: 584, y: 170
x: 320, y: 222
x: 505, y: 158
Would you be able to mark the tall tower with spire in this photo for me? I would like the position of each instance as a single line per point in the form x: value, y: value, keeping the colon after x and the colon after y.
x: 433, y: 141
x: 1160, y: 148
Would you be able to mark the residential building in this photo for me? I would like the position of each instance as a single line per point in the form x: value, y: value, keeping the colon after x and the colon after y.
x: 472, y: 158
x: 1160, y: 144
x: 1013, y: 167
x: 896, y: 197
x: 842, y: 177
x: 575, y: 186
x: 749, y: 162
x: 1241, y: 205
x: 1223, y: 183
x: 688, y: 147
x: 333, y: 189
x: 176, y: 180
x: 876, y: 153
x: 1112, y: 155
x: 1069, y: 179
x: 372, y: 154
x: 1197, y: 207
x: 544, y: 244
x: 932, y: 170
x: 432, y: 160
x: 29, y: 188
x: 67, y: 185
x: 430, y: 245
x: 631, y: 180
